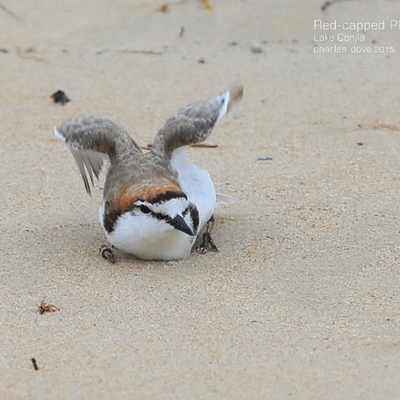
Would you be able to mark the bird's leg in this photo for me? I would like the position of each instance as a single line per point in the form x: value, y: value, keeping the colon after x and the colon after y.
x: 207, y: 239
x: 107, y: 253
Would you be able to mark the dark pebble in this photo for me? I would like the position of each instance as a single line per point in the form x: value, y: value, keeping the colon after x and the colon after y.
x: 60, y: 97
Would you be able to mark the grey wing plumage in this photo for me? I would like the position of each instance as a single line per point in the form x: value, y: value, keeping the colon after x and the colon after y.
x: 91, y: 161
x: 92, y: 140
x: 194, y: 122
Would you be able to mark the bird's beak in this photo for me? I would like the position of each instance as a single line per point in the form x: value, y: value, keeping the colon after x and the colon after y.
x: 179, y: 224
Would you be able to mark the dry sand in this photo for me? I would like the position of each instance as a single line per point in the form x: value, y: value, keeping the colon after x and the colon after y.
x: 302, y: 301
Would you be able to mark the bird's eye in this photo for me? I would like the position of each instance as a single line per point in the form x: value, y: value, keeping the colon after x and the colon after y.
x: 144, y: 209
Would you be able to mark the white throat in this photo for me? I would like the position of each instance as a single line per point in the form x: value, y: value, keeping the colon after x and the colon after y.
x: 149, y: 238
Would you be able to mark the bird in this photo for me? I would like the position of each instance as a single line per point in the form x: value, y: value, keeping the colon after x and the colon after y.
x: 154, y: 203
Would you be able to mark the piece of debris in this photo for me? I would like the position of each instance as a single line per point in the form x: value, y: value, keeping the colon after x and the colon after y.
x: 201, y: 61
x: 46, y: 307
x: 264, y: 158
x: 164, y: 8
x: 329, y: 3
x: 4, y: 51
x: 182, y: 31
x: 29, y: 54
x: 393, y: 128
x: 256, y: 49
x: 207, y: 4
x: 151, y: 52
x: 35, y: 366
x: 359, y: 143
x: 233, y: 43
x: 60, y: 97
x: 107, y: 253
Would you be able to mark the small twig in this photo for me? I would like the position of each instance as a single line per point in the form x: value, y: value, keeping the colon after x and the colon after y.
x: 199, y: 145
x: 204, y: 145
x: 35, y: 366
x: 329, y: 3
x: 9, y: 12
x: 151, y: 52
x: 262, y: 158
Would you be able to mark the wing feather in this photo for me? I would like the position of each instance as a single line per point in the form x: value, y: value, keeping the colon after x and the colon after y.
x: 89, y: 163
x: 92, y: 140
x: 194, y: 123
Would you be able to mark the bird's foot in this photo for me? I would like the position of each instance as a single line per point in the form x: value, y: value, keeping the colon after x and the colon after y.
x: 107, y: 253
x: 208, y: 242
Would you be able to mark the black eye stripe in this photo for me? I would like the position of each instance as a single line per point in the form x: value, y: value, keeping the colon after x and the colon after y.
x: 191, y: 208
x: 147, y: 210
x: 144, y: 209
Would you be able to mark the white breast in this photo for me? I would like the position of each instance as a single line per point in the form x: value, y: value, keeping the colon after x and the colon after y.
x: 148, y: 238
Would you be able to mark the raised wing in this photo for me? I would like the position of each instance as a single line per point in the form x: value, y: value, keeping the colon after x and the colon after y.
x: 91, y: 139
x: 194, y: 123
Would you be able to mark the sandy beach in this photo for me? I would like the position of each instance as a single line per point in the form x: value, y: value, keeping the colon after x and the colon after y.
x: 302, y: 300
